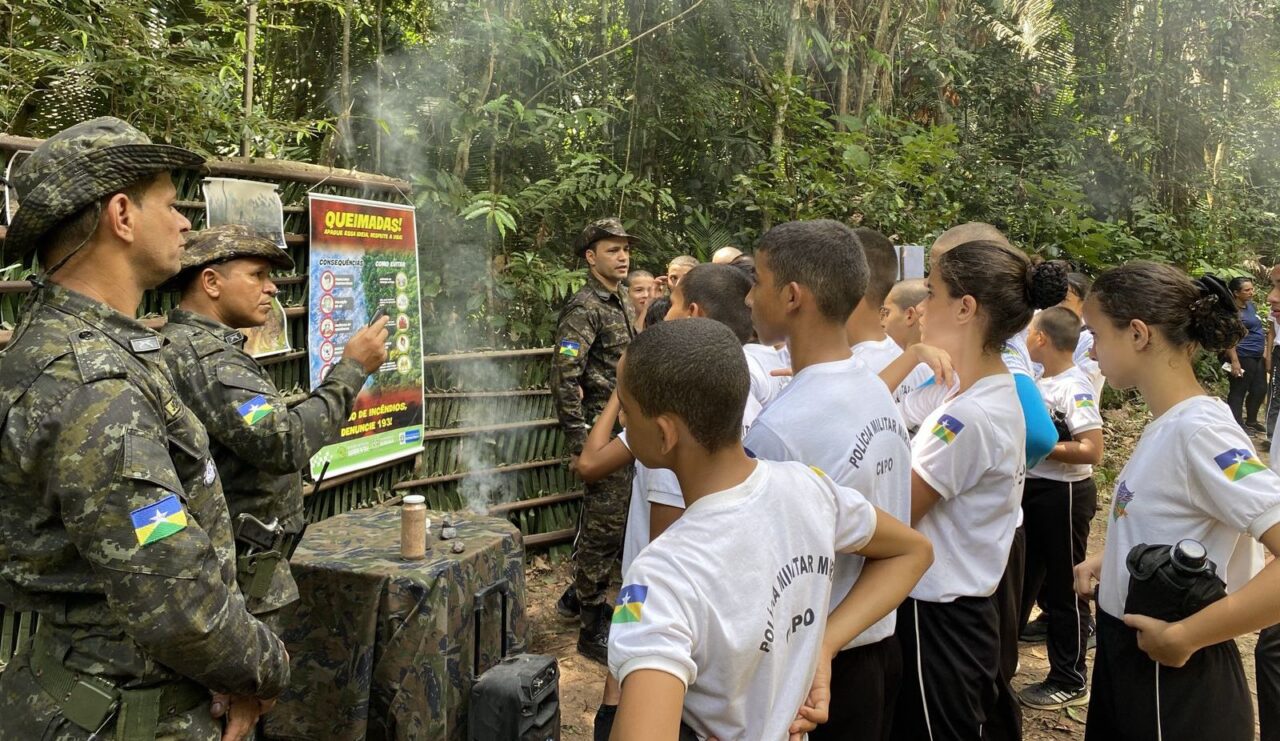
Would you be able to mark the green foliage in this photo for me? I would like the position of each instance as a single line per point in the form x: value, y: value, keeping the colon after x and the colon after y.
x: 1094, y: 131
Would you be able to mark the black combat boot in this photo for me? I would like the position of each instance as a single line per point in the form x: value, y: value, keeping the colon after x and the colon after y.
x: 568, y: 605
x: 593, y: 637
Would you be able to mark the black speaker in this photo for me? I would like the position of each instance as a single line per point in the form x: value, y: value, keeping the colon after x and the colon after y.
x: 519, y: 698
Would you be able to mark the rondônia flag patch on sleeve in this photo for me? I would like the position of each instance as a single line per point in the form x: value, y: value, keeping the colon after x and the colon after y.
x: 630, y: 603
x: 159, y: 520
x: 255, y: 410
x: 570, y: 348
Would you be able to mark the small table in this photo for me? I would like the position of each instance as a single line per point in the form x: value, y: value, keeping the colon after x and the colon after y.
x: 383, y: 648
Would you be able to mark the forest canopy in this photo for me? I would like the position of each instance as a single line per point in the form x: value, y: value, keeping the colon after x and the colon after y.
x: 1097, y: 130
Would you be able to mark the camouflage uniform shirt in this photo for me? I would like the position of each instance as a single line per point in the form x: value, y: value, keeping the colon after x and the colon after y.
x: 595, y: 326
x: 94, y: 448
x: 260, y: 445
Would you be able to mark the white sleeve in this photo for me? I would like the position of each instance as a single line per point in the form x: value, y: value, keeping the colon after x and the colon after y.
x: 653, y: 627
x: 1083, y: 414
x: 1015, y: 358
x: 622, y: 437
x: 662, y: 487
x: 921, y: 402
x: 762, y: 384
x: 952, y: 452
x: 765, y: 444
x: 855, y: 520
x: 1229, y: 483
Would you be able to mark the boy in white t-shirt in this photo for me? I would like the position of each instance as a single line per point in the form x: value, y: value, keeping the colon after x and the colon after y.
x: 900, y: 317
x: 721, y: 621
x: 713, y: 291
x: 837, y: 415
x: 1058, y: 503
x: 869, y: 340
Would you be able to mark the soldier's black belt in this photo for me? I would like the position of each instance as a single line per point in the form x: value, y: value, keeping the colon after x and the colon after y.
x: 92, y: 702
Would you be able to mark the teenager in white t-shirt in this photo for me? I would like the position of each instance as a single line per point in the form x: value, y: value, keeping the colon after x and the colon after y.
x: 837, y: 415
x: 717, y: 292
x: 721, y: 622
x: 967, y: 470
x: 1058, y: 503
x: 901, y: 321
x: 1192, y: 475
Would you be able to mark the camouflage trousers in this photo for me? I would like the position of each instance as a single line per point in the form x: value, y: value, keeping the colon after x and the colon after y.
x: 600, y: 530
x: 27, y: 712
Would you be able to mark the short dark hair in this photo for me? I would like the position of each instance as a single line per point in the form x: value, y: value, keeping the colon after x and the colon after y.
x: 908, y: 293
x: 656, y: 311
x: 694, y: 369
x: 77, y: 228
x: 747, y: 264
x: 1238, y: 282
x: 721, y: 291
x: 1007, y: 286
x: 1061, y: 325
x: 882, y: 264
x: 1163, y: 296
x: 825, y: 257
x: 1079, y: 284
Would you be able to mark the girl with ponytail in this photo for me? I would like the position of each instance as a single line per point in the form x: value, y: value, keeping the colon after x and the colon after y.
x: 968, y: 465
x: 1193, y: 475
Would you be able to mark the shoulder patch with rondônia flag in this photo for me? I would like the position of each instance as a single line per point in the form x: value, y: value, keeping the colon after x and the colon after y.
x: 159, y: 520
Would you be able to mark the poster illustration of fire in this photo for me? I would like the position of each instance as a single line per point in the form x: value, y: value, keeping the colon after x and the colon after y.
x: 364, y: 257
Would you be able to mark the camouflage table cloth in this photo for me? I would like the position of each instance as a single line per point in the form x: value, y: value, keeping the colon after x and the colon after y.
x: 383, y: 648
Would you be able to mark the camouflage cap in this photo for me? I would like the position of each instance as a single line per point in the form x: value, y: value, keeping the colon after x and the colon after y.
x: 76, y: 167
x: 599, y: 229
x: 222, y: 243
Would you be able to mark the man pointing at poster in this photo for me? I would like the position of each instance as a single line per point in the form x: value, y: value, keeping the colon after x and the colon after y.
x: 260, y: 445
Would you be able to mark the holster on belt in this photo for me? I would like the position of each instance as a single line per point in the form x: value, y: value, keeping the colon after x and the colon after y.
x: 91, y: 702
x: 259, y: 549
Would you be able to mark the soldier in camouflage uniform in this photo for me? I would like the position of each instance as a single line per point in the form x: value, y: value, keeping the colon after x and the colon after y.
x: 112, y: 521
x: 595, y: 326
x: 259, y: 444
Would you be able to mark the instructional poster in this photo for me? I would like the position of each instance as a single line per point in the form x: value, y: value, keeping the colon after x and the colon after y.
x: 364, y: 257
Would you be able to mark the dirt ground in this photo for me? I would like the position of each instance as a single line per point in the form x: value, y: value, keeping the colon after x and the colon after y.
x: 582, y: 680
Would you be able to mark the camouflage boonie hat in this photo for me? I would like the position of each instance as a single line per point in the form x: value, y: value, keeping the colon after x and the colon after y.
x: 76, y: 167
x: 222, y: 243
x: 599, y: 229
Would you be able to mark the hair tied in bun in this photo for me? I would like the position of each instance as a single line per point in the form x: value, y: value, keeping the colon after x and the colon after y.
x: 1047, y: 284
x: 1213, y: 293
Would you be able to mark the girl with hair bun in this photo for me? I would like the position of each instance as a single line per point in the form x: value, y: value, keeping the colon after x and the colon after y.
x: 968, y: 465
x: 1193, y: 475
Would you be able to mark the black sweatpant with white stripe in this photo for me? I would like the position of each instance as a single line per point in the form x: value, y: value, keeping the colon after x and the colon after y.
x: 1135, y: 699
x: 1057, y: 516
x: 950, y: 662
x: 865, y: 681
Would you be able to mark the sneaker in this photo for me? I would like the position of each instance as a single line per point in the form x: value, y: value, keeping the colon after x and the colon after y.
x: 1049, y: 696
x: 568, y: 605
x: 1037, y: 631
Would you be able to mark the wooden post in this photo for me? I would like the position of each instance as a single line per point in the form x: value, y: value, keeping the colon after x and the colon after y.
x: 250, y: 38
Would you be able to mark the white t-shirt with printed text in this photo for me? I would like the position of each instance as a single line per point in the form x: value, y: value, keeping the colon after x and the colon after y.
x: 732, y: 598
x: 972, y: 450
x: 1193, y: 474
x: 1069, y: 394
x: 840, y: 417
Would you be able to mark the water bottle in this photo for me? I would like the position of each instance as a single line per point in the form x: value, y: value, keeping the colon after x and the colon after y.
x: 1172, y: 582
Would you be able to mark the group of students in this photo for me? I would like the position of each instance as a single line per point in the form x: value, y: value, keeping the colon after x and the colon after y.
x: 834, y: 474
